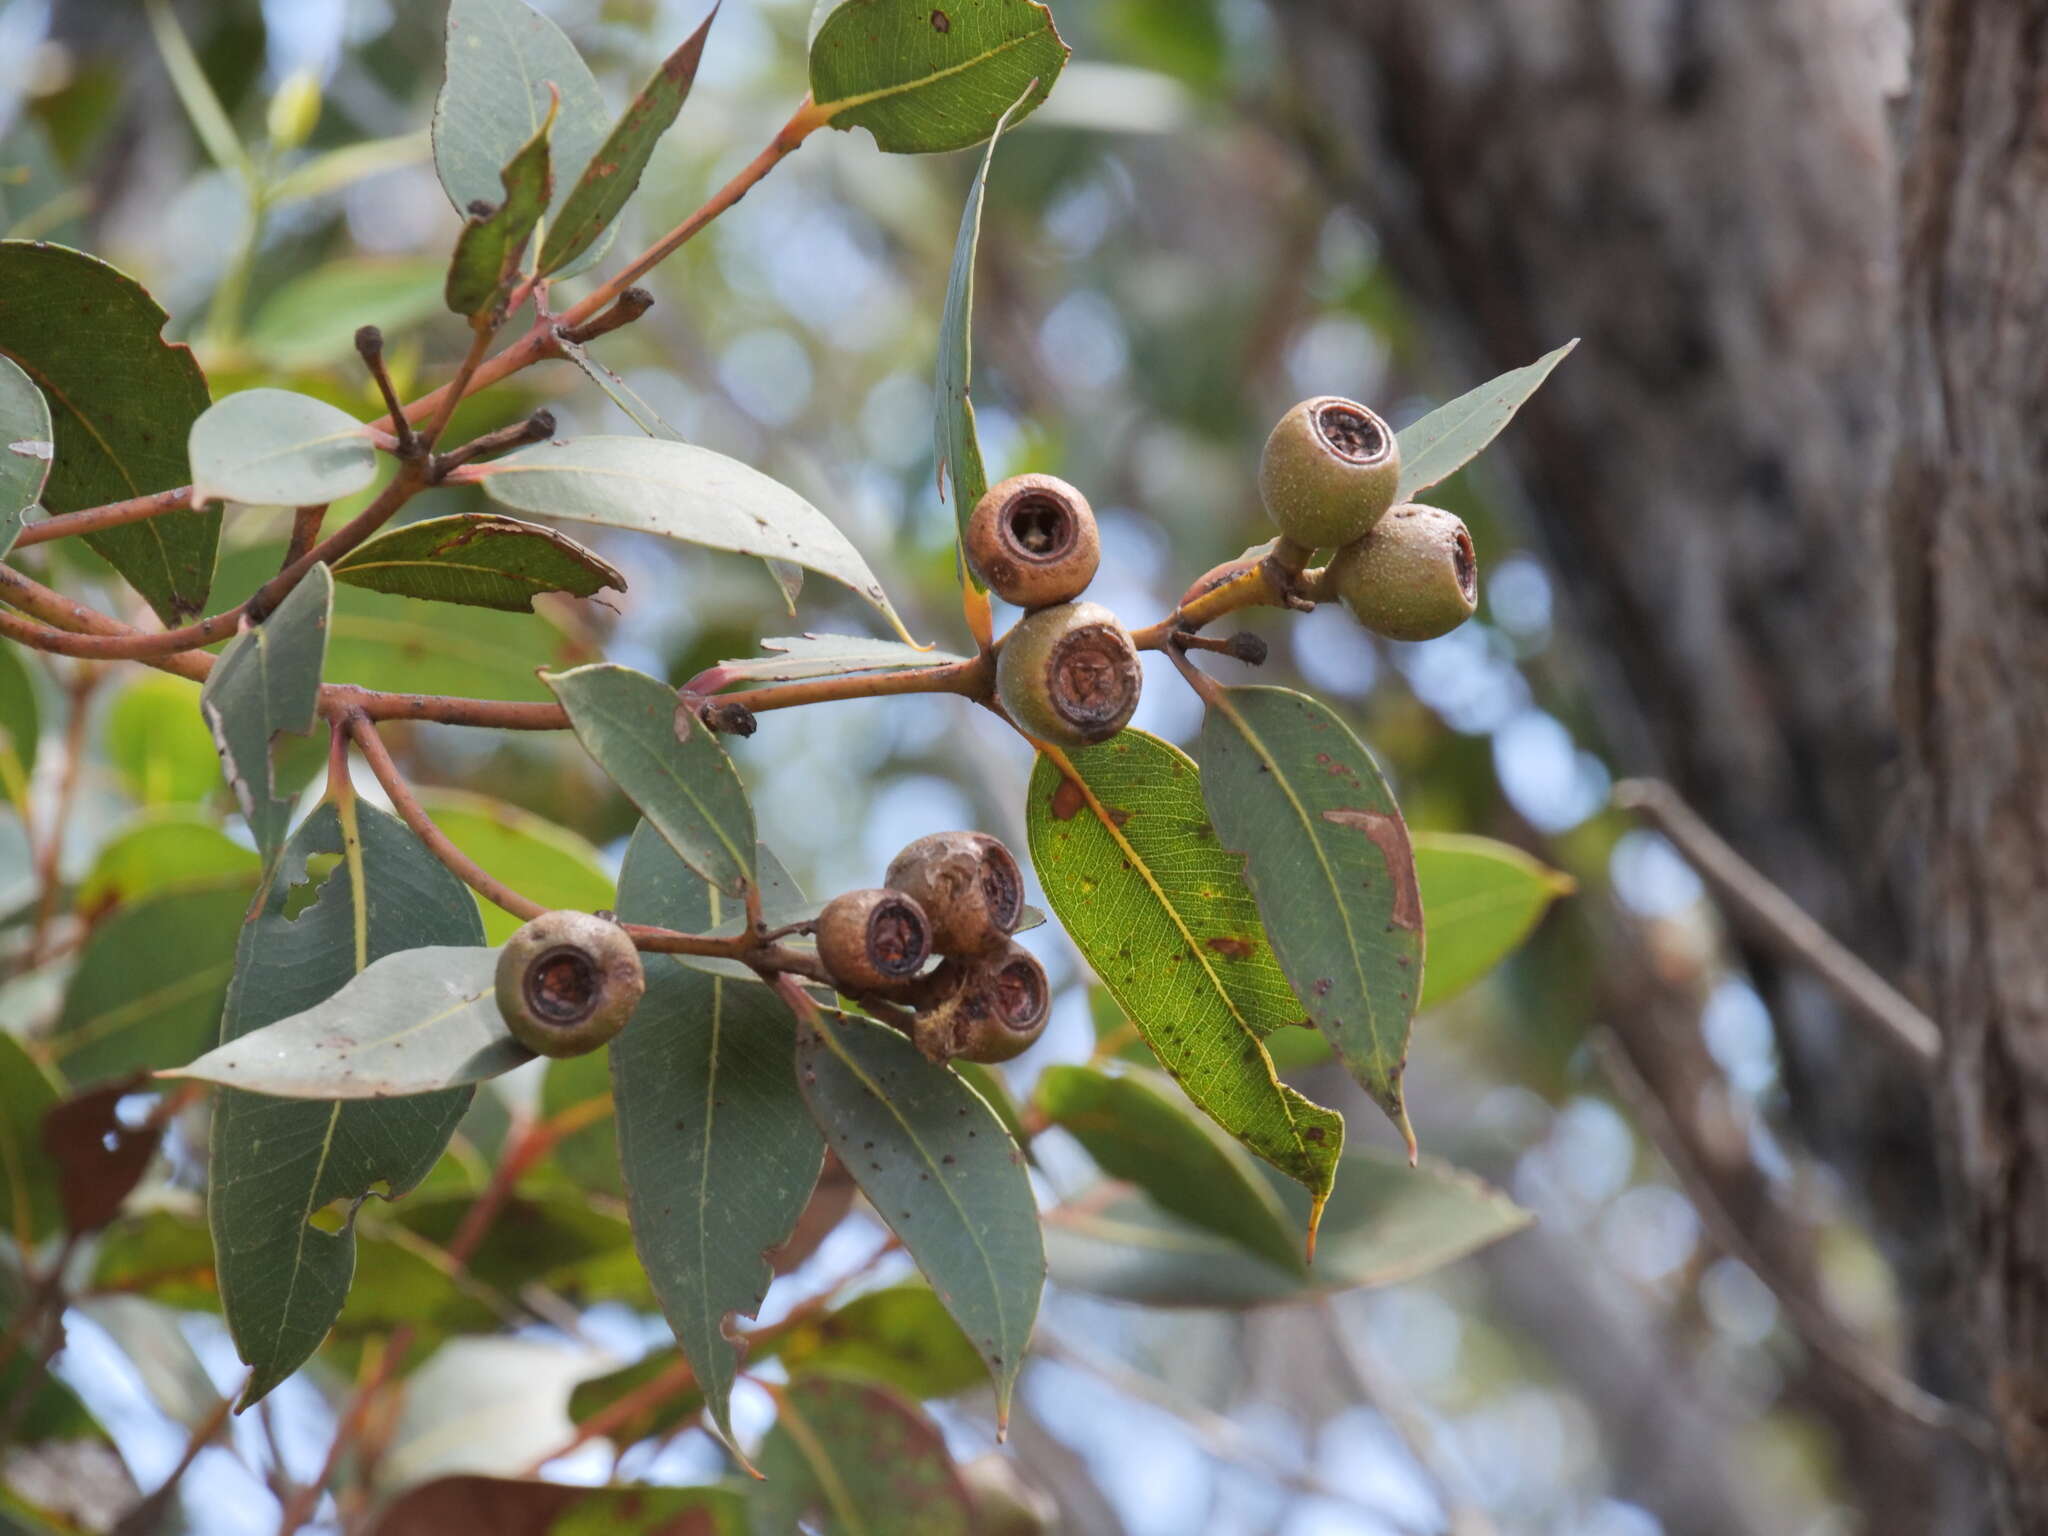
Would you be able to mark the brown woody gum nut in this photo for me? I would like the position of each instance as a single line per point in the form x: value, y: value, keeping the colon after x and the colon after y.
x: 567, y: 982
x: 968, y: 885
x: 1034, y: 541
x: 989, y: 1010
x: 1070, y: 675
x: 1329, y: 471
x: 873, y: 939
x: 1414, y: 577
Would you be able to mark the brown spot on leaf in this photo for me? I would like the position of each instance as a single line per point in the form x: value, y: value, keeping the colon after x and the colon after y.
x: 1229, y: 948
x: 1067, y: 800
x: 941, y: 22
x: 1389, y: 834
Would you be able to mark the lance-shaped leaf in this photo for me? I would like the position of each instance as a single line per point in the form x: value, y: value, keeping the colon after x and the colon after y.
x: 1451, y: 436
x: 30, y: 1209
x: 27, y: 446
x: 1132, y: 868
x: 938, y: 1167
x: 121, y: 402
x: 718, y: 1151
x: 923, y: 78
x: 683, y: 492
x: 801, y: 656
x: 273, y: 448
x: 848, y: 1458
x: 414, y: 1022
x: 276, y: 1164
x: 668, y: 764
x: 503, y: 56
x: 615, y: 169
x: 1480, y: 900
x: 1139, y: 1130
x: 1295, y: 793
x: 478, y: 559
x: 268, y: 682
x: 489, y: 251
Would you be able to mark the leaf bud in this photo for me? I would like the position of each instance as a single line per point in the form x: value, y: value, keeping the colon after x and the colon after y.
x: 294, y: 110
x: 568, y: 982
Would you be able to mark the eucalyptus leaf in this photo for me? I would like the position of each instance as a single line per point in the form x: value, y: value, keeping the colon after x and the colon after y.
x: 804, y: 656
x: 20, y: 724
x: 27, y: 446
x: 273, y: 448
x: 1481, y: 899
x: 1132, y: 868
x: 938, y: 1167
x: 122, y: 400
x: 1451, y: 436
x: 495, y: 232
x: 312, y: 319
x: 172, y: 848
x: 901, y: 1336
x: 850, y: 1458
x: 478, y: 559
x: 157, y: 741
x: 923, y: 78
x: 529, y: 853
x: 30, y: 1209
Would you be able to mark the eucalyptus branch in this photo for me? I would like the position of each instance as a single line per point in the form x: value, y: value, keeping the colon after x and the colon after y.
x: 306, y: 523
x: 628, y: 307
x: 370, y: 347
x: 541, y: 424
x: 973, y: 678
x: 1274, y: 580
x: 115, y: 514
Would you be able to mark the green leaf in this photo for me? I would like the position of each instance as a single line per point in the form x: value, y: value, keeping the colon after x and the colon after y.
x: 582, y: 1085
x: 668, y: 764
x: 40, y: 1407
x: 400, y: 643
x: 1295, y: 793
x: 27, y: 446
x: 534, y: 856
x: 1451, y: 436
x: 851, y: 1459
x: 502, y: 57
x: 311, y: 320
x: 277, y: 1163
x: 989, y: 1081
x: 554, y: 1236
x: 267, y: 683
x: 1132, y: 868
x: 491, y: 248
x: 522, y: 1507
x: 29, y: 1206
x: 922, y: 78
x: 169, y: 849
x: 805, y: 656
x: 149, y: 985
x: 1482, y: 899
x: 479, y: 559
x: 273, y: 448
x: 121, y: 403
x: 601, y: 192
x: 719, y: 1153
x: 416, y: 1021
x: 1387, y: 1223
x: 158, y: 742
x: 901, y: 1337
x: 1139, y: 1130
x: 940, y: 1170
x: 20, y: 724
x: 678, y: 491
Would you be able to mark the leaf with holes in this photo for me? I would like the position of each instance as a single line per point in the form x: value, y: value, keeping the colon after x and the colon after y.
x: 491, y: 248
x: 718, y: 1152
x: 848, y: 1458
x: 121, y: 400
x: 26, y: 448
x: 478, y: 559
x: 922, y: 77
x: 272, y: 448
x: 276, y: 1164
x: 940, y: 1170
x: 1452, y: 436
x: 1293, y: 792
x: 1132, y: 868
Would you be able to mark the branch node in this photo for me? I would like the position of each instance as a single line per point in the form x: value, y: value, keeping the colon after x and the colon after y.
x: 628, y: 307
x: 535, y: 428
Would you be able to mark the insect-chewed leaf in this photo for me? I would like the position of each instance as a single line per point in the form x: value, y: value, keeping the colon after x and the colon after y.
x: 492, y: 245
x: 938, y: 1167
x: 267, y: 682
x: 416, y: 1021
x: 29, y: 1206
x: 1295, y: 793
x: 273, y: 448
x: 277, y: 1163
x: 1451, y: 436
x: 121, y: 401
x: 679, y: 491
x: 1132, y: 868
x: 849, y: 1458
x: 503, y: 55
x: 1480, y: 900
x: 528, y: 1507
x: 1138, y: 1129
x: 921, y: 77
x: 802, y: 656
x: 479, y: 559
x: 26, y: 448
x: 615, y: 169
x: 668, y: 764
x: 718, y: 1152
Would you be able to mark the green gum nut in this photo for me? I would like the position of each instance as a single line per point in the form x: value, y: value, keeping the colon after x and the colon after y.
x: 568, y: 982
x: 1069, y: 675
x: 1329, y: 472
x: 1414, y: 577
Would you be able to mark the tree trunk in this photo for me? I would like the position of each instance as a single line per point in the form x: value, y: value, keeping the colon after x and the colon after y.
x: 1713, y: 196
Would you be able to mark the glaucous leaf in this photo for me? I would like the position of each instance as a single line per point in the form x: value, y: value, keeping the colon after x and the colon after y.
x: 679, y: 491
x: 480, y: 559
x: 274, y: 448
x: 277, y: 1163
x: 601, y: 192
x: 922, y: 79
x: 534, y: 856
x: 267, y: 683
x: 1133, y: 870
x: 27, y: 446
x: 849, y: 1458
x: 1138, y: 1129
x: 940, y: 1170
x: 495, y: 231
x: 171, y: 848
x: 1293, y: 792
x: 1481, y: 899
x: 121, y: 402
x: 901, y: 1336
x: 1387, y: 1223
x: 804, y: 656
x: 502, y: 57
x: 29, y: 1207
x: 1452, y: 436
x: 668, y: 764
x: 158, y: 742
x: 20, y: 723
x: 529, y: 1507
x: 416, y: 1021
x: 718, y: 1151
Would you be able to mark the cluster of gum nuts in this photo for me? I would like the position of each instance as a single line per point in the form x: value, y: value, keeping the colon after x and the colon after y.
x: 567, y: 982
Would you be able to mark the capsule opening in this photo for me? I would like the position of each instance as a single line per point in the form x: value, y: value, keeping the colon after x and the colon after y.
x: 1352, y: 431
x: 562, y: 986
x: 1040, y: 526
